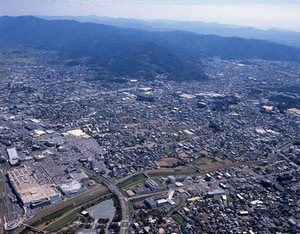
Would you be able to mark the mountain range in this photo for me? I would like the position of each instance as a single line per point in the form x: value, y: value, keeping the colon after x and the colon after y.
x: 126, y: 52
x: 291, y: 38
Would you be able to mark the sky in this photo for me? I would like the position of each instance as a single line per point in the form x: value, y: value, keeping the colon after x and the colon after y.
x: 265, y: 14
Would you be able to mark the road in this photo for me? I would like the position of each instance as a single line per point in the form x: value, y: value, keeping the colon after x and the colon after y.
x: 3, y: 204
x: 33, y: 228
x: 124, y: 203
x: 79, y: 199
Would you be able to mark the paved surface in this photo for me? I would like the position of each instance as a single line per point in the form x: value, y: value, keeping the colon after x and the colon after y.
x: 125, y: 204
x: 76, y: 200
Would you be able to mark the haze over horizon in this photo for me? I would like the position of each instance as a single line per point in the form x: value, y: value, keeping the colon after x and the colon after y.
x: 264, y: 14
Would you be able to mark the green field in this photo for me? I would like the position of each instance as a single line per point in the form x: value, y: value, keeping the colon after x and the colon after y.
x: 62, y: 221
x: 184, y: 171
x: 52, y: 216
x: 170, y: 149
x: 178, y: 218
x: 204, y: 161
x: 131, y: 181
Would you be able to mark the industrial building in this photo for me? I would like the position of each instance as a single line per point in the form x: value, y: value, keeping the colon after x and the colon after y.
x: 13, y: 157
x: 71, y: 187
x: 150, y: 203
x: 151, y: 184
x: 168, y: 200
x: 28, y: 190
x: 79, y: 176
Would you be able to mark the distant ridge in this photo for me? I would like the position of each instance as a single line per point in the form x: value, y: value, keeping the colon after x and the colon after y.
x: 291, y: 38
x: 122, y: 52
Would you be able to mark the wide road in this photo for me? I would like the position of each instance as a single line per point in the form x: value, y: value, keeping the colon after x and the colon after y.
x: 124, y: 203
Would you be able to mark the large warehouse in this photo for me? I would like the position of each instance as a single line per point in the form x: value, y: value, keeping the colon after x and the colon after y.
x: 71, y: 187
x: 13, y: 157
x: 29, y: 191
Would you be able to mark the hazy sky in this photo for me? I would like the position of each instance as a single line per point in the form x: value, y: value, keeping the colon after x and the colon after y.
x: 283, y: 14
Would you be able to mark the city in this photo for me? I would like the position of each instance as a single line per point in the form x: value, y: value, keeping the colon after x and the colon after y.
x: 172, y: 157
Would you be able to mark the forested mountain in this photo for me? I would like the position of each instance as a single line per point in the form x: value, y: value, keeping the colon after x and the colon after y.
x: 115, y: 51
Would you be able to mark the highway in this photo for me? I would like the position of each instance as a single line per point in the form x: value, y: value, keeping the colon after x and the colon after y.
x: 124, y: 203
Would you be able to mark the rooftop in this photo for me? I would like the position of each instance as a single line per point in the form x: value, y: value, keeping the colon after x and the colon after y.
x: 27, y: 186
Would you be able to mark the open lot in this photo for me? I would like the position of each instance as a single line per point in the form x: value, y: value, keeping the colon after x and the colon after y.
x: 175, y: 129
x: 167, y: 162
x: 206, y: 163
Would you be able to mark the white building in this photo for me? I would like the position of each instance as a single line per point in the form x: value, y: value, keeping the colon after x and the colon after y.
x: 71, y: 187
x: 13, y: 157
